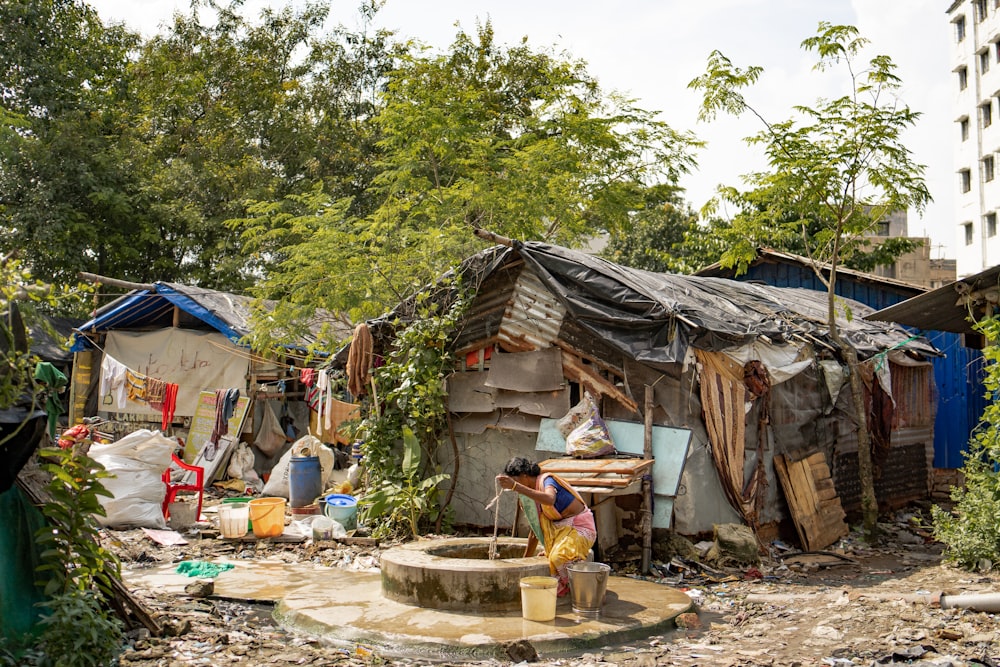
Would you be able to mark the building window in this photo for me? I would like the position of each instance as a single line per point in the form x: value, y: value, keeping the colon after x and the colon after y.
x: 883, y: 228
x: 963, y: 128
x: 960, y: 29
x: 980, y: 7
x: 988, y: 168
x: 984, y: 62
x: 990, y: 222
x: 965, y: 176
x: 968, y: 233
x: 986, y: 113
x: 963, y: 77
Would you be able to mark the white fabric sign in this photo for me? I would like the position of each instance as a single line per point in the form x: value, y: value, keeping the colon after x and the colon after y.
x: 195, y: 361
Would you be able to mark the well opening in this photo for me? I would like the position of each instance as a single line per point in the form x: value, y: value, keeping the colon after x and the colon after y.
x: 457, y: 574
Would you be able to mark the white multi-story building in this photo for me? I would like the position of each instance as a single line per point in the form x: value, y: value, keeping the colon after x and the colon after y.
x: 975, y: 60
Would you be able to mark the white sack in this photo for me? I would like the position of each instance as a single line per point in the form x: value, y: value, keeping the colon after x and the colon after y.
x: 307, y: 445
x: 137, y: 462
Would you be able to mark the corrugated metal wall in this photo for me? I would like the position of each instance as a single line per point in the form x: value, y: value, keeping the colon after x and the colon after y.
x: 958, y: 375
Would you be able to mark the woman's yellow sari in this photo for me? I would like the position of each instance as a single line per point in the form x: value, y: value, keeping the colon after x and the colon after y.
x: 565, y: 540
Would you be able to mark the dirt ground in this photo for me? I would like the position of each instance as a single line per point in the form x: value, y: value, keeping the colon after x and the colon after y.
x: 853, y: 604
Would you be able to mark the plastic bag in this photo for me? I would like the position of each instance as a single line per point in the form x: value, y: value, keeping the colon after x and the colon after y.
x: 137, y: 462
x: 576, y: 415
x: 591, y: 438
x: 270, y: 437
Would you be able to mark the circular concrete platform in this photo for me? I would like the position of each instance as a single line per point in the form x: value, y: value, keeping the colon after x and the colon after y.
x: 357, y: 613
x: 348, y: 607
x: 457, y: 574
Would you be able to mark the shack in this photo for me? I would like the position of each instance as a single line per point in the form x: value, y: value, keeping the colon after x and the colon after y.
x: 958, y: 372
x: 195, y: 339
x: 740, y: 377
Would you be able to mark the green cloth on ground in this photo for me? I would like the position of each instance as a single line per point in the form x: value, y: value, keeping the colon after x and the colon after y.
x: 54, y: 381
x: 202, y: 568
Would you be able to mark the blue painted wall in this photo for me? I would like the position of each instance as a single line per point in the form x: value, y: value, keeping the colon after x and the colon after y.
x: 961, y: 395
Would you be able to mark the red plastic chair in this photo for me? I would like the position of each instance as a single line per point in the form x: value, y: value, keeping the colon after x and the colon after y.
x: 173, y: 488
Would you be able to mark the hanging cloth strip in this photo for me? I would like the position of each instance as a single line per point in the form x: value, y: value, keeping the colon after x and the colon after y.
x: 225, y: 405
x: 359, y: 361
x: 156, y: 389
x: 169, y: 404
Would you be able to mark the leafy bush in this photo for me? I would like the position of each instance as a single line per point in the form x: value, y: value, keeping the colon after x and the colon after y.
x: 971, y: 531
x: 76, y: 570
x: 401, y: 434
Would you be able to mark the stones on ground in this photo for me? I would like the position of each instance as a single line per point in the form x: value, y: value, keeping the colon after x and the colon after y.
x: 200, y: 588
x: 734, y: 543
x: 521, y: 651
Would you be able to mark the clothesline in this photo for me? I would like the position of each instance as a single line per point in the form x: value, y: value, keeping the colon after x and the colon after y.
x: 131, y: 385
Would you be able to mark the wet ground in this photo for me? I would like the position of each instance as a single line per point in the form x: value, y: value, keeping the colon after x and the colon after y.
x: 856, y: 605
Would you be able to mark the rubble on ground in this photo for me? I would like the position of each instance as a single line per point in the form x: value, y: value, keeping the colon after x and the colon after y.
x: 852, y: 604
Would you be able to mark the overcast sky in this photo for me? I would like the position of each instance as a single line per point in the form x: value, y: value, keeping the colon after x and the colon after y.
x: 651, y: 49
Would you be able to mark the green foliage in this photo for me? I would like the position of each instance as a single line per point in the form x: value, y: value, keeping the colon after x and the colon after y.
x: 406, y: 501
x: 836, y: 169
x: 971, y: 531
x: 660, y: 239
x: 75, y: 569
x: 411, y: 414
x: 518, y: 141
x: 78, y: 632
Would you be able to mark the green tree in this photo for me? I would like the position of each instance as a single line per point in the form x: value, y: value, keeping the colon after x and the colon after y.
x: 507, y: 138
x: 661, y: 238
x: 835, y: 171
x: 66, y: 187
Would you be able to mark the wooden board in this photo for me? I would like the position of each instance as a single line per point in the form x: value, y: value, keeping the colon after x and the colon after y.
x: 815, y: 507
x: 595, y: 466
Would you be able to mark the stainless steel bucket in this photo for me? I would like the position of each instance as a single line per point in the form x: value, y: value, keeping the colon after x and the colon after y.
x: 588, y: 583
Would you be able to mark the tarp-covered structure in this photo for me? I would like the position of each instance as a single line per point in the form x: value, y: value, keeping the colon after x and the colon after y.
x: 750, y: 369
x: 190, y: 336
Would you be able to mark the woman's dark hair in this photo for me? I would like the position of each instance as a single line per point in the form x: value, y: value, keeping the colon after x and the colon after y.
x: 521, y: 466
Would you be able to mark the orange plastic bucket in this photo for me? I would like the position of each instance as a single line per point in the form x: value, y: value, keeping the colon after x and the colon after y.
x: 268, y: 516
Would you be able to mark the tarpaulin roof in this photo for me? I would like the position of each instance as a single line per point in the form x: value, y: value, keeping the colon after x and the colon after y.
x: 654, y: 317
x: 148, y: 308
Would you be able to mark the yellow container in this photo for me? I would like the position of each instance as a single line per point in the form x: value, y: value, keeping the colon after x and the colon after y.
x: 268, y: 516
x: 538, y: 598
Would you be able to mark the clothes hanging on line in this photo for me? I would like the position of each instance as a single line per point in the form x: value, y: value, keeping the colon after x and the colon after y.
x: 113, y: 380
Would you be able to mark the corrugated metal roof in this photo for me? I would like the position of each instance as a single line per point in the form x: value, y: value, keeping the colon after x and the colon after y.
x: 944, y: 309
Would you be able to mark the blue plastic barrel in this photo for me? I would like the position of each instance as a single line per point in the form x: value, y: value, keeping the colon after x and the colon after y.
x: 305, y: 481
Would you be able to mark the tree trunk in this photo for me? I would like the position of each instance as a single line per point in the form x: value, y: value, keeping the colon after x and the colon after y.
x: 869, y: 504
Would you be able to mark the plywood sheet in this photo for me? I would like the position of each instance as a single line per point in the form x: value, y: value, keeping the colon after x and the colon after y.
x: 538, y: 370
x: 467, y: 392
x: 815, y: 507
x: 553, y: 404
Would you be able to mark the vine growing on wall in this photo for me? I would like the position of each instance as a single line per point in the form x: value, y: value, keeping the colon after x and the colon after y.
x: 408, y: 420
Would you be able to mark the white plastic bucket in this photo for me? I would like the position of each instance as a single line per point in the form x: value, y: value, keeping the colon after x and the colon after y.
x: 538, y: 598
x: 233, y: 519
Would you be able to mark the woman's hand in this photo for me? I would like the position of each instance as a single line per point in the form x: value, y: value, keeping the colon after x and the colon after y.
x: 506, y: 482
